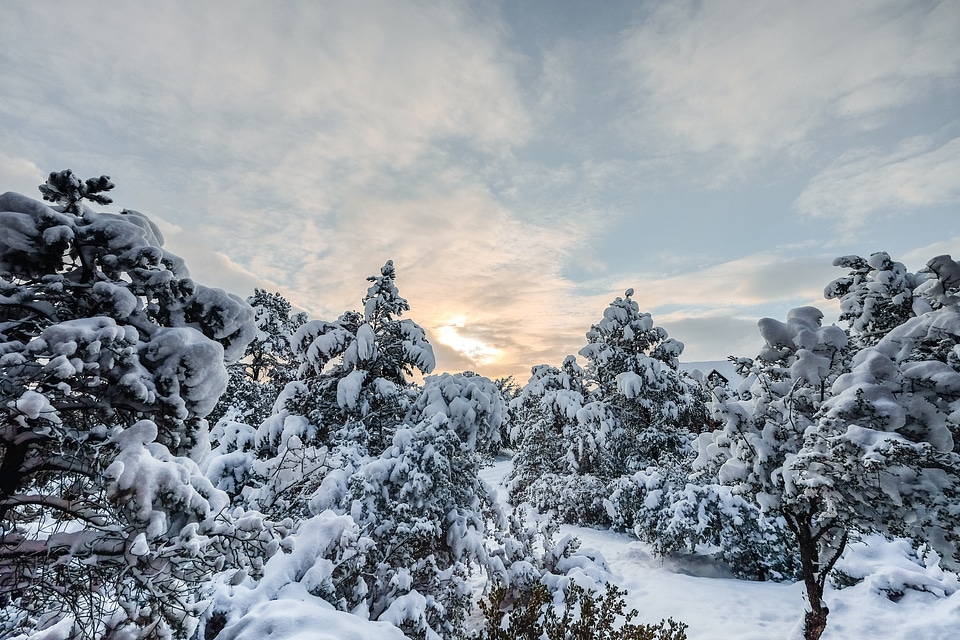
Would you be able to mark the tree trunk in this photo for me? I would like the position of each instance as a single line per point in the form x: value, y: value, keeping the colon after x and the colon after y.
x: 815, y: 618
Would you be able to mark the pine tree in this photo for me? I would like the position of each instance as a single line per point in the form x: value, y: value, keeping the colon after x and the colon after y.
x: 840, y: 447
x: 396, y: 537
x: 545, y: 416
x: 268, y: 363
x: 112, y: 358
x: 352, y: 391
x: 875, y: 297
x: 647, y: 407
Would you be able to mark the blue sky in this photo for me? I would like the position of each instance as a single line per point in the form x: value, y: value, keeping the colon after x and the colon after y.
x: 522, y: 163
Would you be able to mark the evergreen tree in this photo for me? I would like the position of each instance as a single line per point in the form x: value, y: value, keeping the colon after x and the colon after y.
x: 840, y: 448
x: 583, y: 431
x: 112, y: 358
x: 423, y: 504
x: 647, y: 406
x: 268, y: 364
x: 545, y: 414
x: 411, y: 523
x: 875, y: 297
x: 760, y: 438
x: 355, y: 370
x: 351, y: 393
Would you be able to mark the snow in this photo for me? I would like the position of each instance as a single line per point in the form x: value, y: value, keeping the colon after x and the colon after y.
x: 349, y: 388
x: 191, y: 364
x: 300, y: 616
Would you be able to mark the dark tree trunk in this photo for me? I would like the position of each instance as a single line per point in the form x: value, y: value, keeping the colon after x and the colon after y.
x: 815, y: 619
x: 813, y: 570
x: 11, y: 471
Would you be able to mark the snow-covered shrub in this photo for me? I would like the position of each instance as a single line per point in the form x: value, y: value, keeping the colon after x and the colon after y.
x: 575, y: 499
x: 676, y: 516
x: 422, y: 506
x: 598, y: 615
x: 312, y: 583
x: 893, y: 566
x: 111, y: 357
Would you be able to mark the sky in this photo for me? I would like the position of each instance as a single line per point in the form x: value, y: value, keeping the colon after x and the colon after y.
x: 521, y: 162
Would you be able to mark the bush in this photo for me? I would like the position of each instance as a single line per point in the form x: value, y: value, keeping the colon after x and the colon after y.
x: 576, y: 499
x: 587, y: 615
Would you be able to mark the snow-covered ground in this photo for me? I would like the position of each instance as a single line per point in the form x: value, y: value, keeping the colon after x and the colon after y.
x: 722, y: 608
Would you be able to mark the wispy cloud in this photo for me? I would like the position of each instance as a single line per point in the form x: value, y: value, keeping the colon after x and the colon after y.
x: 865, y: 183
x: 519, y: 177
x: 750, y: 79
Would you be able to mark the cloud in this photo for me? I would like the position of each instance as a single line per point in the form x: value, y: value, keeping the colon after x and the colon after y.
x: 915, y: 259
x: 861, y: 184
x: 772, y: 277
x: 749, y: 79
x: 20, y: 175
x: 711, y: 338
x: 207, y: 265
x: 299, y: 149
x: 283, y: 100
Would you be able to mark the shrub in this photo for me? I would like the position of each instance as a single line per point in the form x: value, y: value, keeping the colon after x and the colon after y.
x: 587, y: 615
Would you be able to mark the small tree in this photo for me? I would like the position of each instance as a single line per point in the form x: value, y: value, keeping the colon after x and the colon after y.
x: 838, y: 451
x: 760, y: 438
x: 355, y: 369
x: 411, y: 523
x: 650, y: 407
x: 352, y: 391
x: 545, y: 414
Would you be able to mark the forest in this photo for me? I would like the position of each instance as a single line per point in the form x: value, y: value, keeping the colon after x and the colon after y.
x: 177, y: 461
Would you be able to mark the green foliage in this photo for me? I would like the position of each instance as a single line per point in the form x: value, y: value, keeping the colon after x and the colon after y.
x: 587, y: 615
x: 268, y: 364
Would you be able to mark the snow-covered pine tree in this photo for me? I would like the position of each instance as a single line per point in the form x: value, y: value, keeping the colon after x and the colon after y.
x: 509, y: 389
x: 753, y: 452
x: 875, y: 297
x: 111, y: 359
x: 255, y: 383
x: 355, y: 370
x: 884, y: 455
x: 649, y: 407
x: 545, y: 411
x: 581, y: 431
x: 425, y: 507
x: 352, y: 391
x: 268, y: 363
x: 396, y: 539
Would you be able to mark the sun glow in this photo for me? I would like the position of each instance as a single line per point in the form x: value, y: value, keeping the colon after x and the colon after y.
x: 476, y: 350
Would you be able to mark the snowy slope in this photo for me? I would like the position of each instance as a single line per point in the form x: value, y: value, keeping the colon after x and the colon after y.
x: 722, y: 608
